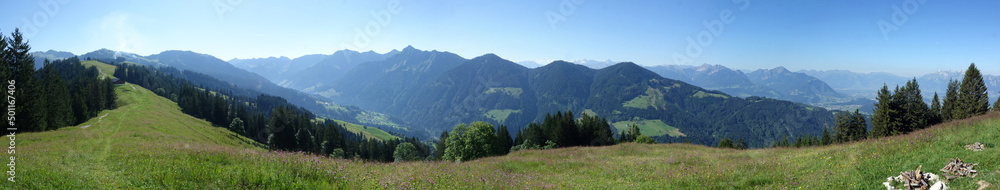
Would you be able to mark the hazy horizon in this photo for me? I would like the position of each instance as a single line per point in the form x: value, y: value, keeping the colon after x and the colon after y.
x: 900, y: 37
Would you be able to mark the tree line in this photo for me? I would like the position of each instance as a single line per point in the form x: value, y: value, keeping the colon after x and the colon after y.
x: 62, y: 93
x: 266, y: 119
x: 903, y: 110
x: 563, y: 130
x: 481, y: 139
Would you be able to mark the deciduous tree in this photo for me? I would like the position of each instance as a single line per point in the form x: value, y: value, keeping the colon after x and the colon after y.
x: 405, y: 152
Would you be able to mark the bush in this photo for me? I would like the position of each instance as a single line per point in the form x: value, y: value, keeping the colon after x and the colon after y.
x: 527, y: 145
x: 550, y: 145
x: 337, y: 153
x: 645, y: 139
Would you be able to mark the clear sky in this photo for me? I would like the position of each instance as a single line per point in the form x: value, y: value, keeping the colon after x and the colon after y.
x: 914, y: 38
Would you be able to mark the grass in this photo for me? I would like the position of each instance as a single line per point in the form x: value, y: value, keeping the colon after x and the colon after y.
x: 651, y: 128
x: 377, y: 119
x: 653, y: 98
x: 703, y: 94
x: 589, y: 112
x: 148, y: 143
x: 500, y: 115
x: 368, y: 132
x: 365, y: 117
x: 109, y: 70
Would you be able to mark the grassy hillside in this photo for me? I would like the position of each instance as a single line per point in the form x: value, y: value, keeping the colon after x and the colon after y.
x: 104, y: 69
x: 649, y: 127
x: 149, y: 143
x: 368, y: 132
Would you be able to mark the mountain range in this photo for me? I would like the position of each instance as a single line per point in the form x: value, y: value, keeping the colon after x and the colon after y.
x: 438, y: 90
x: 310, y: 71
x: 867, y: 84
x: 434, y: 90
x: 778, y: 83
x: 593, y: 64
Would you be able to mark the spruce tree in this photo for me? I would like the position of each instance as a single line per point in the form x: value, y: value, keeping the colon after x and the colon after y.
x: 882, y: 117
x: 784, y: 141
x: 826, y: 139
x: 972, y: 96
x: 949, y: 108
x: 5, y: 67
x: 915, y: 112
x: 860, y: 126
x: 935, y: 112
x: 996, y: 105
x: 815, y: 140
x: 58, y: 99
x: 31, y: 110
x: 850, y: 126
x: 503, y: 141
x: 442, y: 145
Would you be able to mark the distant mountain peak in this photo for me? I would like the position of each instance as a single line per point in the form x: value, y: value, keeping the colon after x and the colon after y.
x: 626, y: 66
x: 561, y: 62
x: 488, y: 56
x: 491, y: 59
x: 780, y: 69
x: 409, y: 48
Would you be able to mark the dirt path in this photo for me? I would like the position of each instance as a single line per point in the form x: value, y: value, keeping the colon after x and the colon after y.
x: 98, y: 121
x: 133, y: 87
x: 102, y: 73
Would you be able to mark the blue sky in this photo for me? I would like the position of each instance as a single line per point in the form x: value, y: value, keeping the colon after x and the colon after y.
x: 935, y: 35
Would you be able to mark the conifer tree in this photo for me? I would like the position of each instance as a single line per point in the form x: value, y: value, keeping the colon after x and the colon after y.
x: 4, y: 65
x: 826, y: 139
x: 972, y: 96
x: 442, y: 145
x: 5, y: 72
x: 503, y: 142
x: 22, y: 71
x: 882, y: 117
x: 996, y: 105
x: 914, y: 111
x: 58, y: 98
x: 935, y: 112
x: 850, y: 126
x: 950, y: 106
x: 784, y: 141
x: 814, y: 141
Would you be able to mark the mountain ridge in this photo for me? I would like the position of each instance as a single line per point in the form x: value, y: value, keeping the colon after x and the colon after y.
x: 490, y: 88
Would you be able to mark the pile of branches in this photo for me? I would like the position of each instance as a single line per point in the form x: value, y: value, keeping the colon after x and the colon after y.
x: 957, y: 168
x: 915, y: 179
x: 975, y: 147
